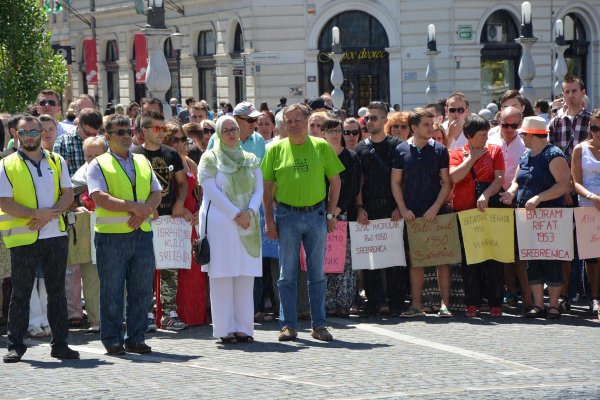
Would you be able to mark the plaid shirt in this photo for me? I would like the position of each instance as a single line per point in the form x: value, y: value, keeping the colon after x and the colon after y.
x: 70, y: 147
x: 567, y: 133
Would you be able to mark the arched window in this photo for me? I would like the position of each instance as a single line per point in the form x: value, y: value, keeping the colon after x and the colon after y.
x: 171, y: 56
x: 577, y: 53
x: 500, y: 57
x: 112, y: 71
x: 239, y: 70
x: 365, y: 64
x: 207, y: 72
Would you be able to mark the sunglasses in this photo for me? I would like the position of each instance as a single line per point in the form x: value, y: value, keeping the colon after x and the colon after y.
x: 349, y: 132
x: 50, y: 103
x: 506, y: 126
x: 373, y: 118
x: 122, y: 132
x: 158, y: 128
x: 459, y: 110
x: 181, y: 139
x: 232, y: 131
x: 249, y: 120
x: 31, y: 133
x: 399, y: 126
x: 594, y: 128
x: 209, y: 131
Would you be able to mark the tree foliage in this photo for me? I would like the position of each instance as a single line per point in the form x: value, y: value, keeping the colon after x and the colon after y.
x: 27, y: 62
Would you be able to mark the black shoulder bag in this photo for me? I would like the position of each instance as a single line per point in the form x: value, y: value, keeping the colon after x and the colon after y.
x: 201, y: 249
x: 494, y: 200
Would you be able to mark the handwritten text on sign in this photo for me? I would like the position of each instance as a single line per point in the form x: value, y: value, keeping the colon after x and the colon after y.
x: 587, y: 225
x: 434, y: 242
x: 172, y: 243
x: 488, y: 235
x: 335, y: 250
x: 379, y: 244
x: 545, y: 233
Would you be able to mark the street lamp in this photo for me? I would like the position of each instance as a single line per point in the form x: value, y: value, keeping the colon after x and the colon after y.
x: 337, y: 77
x: 431, y: 74
x: 560, y: 67
x: 526, y: 40
x: 156, y: 14
x: 177, y: 43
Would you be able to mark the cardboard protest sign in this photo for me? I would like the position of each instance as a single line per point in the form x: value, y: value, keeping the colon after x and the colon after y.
x: 432, y: 243
x: 379, y: 244
x: 587, y: 226
x: 4, y: 261
x: 270, y: 248
x: 545, y: 233
x: 80, y: 244
x: 172, y: 243
x: 488, y: 235
x: 335, y: 250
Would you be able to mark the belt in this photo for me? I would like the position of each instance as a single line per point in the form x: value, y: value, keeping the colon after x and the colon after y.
x: 301, y: 209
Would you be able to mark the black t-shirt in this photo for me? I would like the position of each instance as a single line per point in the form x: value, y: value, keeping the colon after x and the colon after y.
x: 165, y: 163
x: 195, y: 153
x: 376, y: 162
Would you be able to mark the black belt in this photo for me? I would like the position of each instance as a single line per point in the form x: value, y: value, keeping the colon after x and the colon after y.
x: 301, y: 209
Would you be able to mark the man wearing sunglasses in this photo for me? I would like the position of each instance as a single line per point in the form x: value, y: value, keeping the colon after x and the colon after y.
x: 168, y: 168
x: 511, y: 98
x: 48, y: 102
x: 35, y: 191
x: 457, y: 110
x: 126, y: 193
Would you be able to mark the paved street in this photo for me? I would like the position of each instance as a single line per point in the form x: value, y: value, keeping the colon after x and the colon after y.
x: 428, y: 358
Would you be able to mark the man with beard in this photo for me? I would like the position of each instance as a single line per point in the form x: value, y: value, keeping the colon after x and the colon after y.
x: 35, y: 190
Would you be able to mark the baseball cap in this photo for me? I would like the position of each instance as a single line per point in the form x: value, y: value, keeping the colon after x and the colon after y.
x: 246, y: 108
x: 316, y: 102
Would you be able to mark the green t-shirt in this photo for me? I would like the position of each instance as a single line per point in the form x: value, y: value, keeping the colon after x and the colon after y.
x: 299, y: 171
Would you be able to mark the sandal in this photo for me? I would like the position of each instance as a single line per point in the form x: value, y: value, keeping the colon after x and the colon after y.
x: 536, y: 312
x: 553, y: 315
x: 354, y: 310
x: 412, y: 312
x: 444, y: 313
x: 228, y: 340
x: 244, y: 339
x: 75, y: 322
x: 36, y: 332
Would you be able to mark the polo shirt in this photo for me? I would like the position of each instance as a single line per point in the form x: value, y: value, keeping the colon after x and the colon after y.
x: 512, y: 153
x: 254, y: 144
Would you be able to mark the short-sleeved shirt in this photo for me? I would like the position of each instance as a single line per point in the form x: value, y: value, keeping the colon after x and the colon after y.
x: 512, y: 153
x: 63, y: 128
x: 376, y: 163
x: 464, y: 191
x: 97, y: 183
x: 165, y: 162
x: 70, y: 147
x: 299, y: 170
x: 567, y: 132
x: 421, y: 182
x: 43, y: 182
x: 254, y: 144
x: 534, y: 176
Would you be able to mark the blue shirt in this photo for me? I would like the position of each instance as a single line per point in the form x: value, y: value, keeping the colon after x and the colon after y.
x: 255, y: 144
x: 534, y: 176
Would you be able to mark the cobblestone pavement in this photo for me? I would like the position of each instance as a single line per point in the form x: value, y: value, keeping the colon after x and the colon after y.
x: 425, y: 358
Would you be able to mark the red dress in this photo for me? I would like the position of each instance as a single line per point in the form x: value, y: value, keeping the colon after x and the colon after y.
x: 191, y: 283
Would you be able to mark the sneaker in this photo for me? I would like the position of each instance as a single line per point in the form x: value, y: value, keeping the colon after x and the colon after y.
x: 139, y: 347
x: 115, y: 350
x: 496, y: 312
x: 172, y: 323
x: 151, y: 325
x: 471, y: 312
x: 594, y: 306
x: 64, y: 353
x: 286, y: 334
x: 12, y: 357
x: 322, y: 333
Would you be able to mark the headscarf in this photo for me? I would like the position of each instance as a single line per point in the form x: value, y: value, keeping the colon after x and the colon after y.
x: 237, y: 167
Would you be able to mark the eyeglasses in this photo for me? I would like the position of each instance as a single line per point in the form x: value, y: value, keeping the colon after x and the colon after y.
x: 594, y: 128
x: 399, y: 126
x: 88, y: 133
x: 122, y: 132
x: 512, y: 126
x: 459, y: 110
x: 209, y: 131
x: 249, y: 120
x: 158, y: 128
x: 48, y: 102
x: 349, y: 132
x: 181, y: 139
x: 231, y: 132
x: 31, y: 133
x: 373, y: 118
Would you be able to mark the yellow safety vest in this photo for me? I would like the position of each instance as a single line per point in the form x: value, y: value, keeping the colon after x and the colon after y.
x: 15, y: 231
x: 120, y: 186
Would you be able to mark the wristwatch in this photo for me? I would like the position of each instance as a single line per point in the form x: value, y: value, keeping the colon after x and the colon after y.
x: 589, y: 195
x: 331, y: 216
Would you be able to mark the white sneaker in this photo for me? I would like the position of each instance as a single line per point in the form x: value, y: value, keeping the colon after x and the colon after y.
x: 151, y: 325
x: 172, y: 323
x: 594, y: 306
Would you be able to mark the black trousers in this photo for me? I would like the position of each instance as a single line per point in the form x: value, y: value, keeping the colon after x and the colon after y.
x: 51, y: 255
x: 483, y: 278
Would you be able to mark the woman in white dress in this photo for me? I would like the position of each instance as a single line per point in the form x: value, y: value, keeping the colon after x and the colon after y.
x: 232, y: 194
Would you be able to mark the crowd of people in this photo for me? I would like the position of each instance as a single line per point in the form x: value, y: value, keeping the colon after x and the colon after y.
x: 243, y: 176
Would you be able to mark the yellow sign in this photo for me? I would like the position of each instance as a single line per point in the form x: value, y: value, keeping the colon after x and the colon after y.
x: 488, y: 235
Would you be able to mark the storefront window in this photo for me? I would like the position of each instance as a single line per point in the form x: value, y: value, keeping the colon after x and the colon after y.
x: 577, y: 53
x: 112, y: 72
x: 207, y: 72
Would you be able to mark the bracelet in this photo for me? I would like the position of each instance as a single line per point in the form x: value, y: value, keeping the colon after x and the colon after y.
x: 251, y: 212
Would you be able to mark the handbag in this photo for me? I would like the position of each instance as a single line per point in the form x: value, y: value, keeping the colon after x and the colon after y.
x: 494, y: 200
x: 201, y: 248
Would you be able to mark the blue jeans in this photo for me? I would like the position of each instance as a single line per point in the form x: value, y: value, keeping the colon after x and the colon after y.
x: 310, y: 229
x: 124, y: 261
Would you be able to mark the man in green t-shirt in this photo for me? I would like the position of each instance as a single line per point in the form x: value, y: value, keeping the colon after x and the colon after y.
x: 294, y: 171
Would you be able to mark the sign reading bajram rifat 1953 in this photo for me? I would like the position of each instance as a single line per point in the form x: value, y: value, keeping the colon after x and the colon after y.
x: 379, y: 244
x: 545, y: 233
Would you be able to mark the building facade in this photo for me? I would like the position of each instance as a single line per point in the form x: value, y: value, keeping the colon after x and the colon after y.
x: 261, y: 50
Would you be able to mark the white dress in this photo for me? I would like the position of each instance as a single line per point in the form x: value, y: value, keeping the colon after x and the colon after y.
x: 228, y: 256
